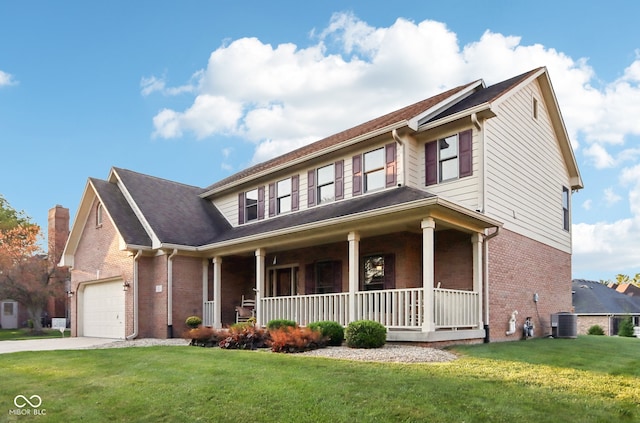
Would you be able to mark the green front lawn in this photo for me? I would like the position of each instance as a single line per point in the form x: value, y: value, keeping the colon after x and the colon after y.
x: 22, y: 334
x: 590, y: 379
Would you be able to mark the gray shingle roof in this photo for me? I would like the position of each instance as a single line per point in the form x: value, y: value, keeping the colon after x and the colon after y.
x: 594, y: 297
x: 174, y: 211
x: 123, y: 216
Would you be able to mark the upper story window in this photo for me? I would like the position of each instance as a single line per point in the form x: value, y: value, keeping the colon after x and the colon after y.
x: 374, y: 170
x: 449, y: 158
x: 565, y: 209
x: 284, y: 196
x: 251, y: 205
x: 326, y: 184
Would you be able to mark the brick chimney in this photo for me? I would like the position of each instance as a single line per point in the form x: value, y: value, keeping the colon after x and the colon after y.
x: 57, y: 234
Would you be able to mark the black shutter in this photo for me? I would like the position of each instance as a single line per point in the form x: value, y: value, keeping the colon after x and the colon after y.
x: 389, y: 271
x: 431, y: 163
x: 391, y: 164
x: 309, y: 279
x: 339, y: 180
x: 357, y: 175
x: 261, y: 203
x: 241, y: 208
x: 295, y: 196
x: 466, y: 159
x: 311, y: 188
x: 272, y: 200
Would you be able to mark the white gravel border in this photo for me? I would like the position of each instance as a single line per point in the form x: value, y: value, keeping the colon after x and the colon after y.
x: 389, y: 353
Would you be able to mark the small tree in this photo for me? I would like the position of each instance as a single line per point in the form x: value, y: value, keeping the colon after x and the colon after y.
x: 27, y: 274
x: 626, y: 327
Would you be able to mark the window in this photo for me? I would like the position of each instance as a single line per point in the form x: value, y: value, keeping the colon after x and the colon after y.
x: 323, y: 277
x: 565, y: 208
x: 284, y: 196
x: 99, y: 215
x: 326, y: 184
x: 449, y: 158
x: 251, y: 205
x: 374, y: 170
x: 378, y: 272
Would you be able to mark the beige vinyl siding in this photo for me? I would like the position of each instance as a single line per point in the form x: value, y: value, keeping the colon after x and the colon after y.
x: 465, y: 191
x: 525, y: 170
x: 228, y: 203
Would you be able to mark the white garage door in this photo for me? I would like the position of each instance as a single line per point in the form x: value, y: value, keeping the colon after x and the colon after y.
x: 103, y: 310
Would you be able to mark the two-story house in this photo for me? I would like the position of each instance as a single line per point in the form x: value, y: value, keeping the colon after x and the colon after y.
x: 438, y: 220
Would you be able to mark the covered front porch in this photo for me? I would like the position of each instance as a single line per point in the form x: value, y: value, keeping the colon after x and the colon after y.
x: 423, y: 279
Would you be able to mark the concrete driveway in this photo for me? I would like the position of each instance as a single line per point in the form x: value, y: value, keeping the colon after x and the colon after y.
x: 50, y: 344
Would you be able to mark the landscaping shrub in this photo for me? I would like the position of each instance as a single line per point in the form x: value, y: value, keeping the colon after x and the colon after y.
x: 595, y: 330
x: 332, y: 330
x: 193, y: 321
x: 626, y: 327
x: 202, y: 336
x: 289, y: 339
x: 245, y: 336
x: 279, y: 323
x: 365, y: 334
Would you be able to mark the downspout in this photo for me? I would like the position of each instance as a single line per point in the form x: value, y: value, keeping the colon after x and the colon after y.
x: 486, y: 282
x: 397, y: 139
x: 170, y: 293
x: 135, y: 296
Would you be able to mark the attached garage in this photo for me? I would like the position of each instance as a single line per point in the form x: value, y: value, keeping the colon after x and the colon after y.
x: 102, y: 310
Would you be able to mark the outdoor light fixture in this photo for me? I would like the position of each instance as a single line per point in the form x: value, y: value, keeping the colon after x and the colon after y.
x: 70, y: 294
x: 125, y: 286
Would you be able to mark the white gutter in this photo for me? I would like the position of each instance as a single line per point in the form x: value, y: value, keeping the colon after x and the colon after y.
x: 135, y: 296
x: 170, y: 293
x: 397, y: 138
x: 486, y: 275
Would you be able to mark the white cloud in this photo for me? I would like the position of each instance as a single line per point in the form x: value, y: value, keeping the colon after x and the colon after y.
x: 610, y: 197
x: 7, y: 79
x: 284, y: 96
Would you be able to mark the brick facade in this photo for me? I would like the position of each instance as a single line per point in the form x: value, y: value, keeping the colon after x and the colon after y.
x: 519, y: 267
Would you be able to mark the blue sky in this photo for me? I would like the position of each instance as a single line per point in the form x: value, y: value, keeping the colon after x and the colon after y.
x: 194, y: 91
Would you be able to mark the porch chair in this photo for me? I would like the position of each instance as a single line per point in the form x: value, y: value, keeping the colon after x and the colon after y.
x: 245, y: 310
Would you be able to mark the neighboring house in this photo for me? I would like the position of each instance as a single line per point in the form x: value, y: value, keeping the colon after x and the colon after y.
x: 599, y: 304
x: 438, y: 220
x: 13, y: 314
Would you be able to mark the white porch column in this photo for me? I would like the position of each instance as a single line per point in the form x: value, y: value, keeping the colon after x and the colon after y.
x: 477, y: 240
x: 217, y: 292
x: 260, y: 269
x: 428, y: 226
x: 354, y: 271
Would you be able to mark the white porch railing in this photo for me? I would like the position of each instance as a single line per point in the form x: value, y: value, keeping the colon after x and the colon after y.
x: 455, y: 309
x: 207, y: 313
x: 393, y: 308
x: 305, y: 309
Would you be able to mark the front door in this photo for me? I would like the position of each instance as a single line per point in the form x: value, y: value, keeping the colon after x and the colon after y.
x: 9, y: 315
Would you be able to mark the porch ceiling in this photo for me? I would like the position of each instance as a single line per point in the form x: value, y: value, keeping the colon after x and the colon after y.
x: 397, y: 210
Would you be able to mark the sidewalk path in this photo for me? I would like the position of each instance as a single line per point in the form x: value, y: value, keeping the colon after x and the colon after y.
x: 49, y: 344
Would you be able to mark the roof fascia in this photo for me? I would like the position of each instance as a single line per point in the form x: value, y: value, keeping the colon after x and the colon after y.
x: 292, y: 163
x: 79, y: 222
x: 114, y: 177
x: 415, y: 122
x: 417, y: 204
x: 481, y: 110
